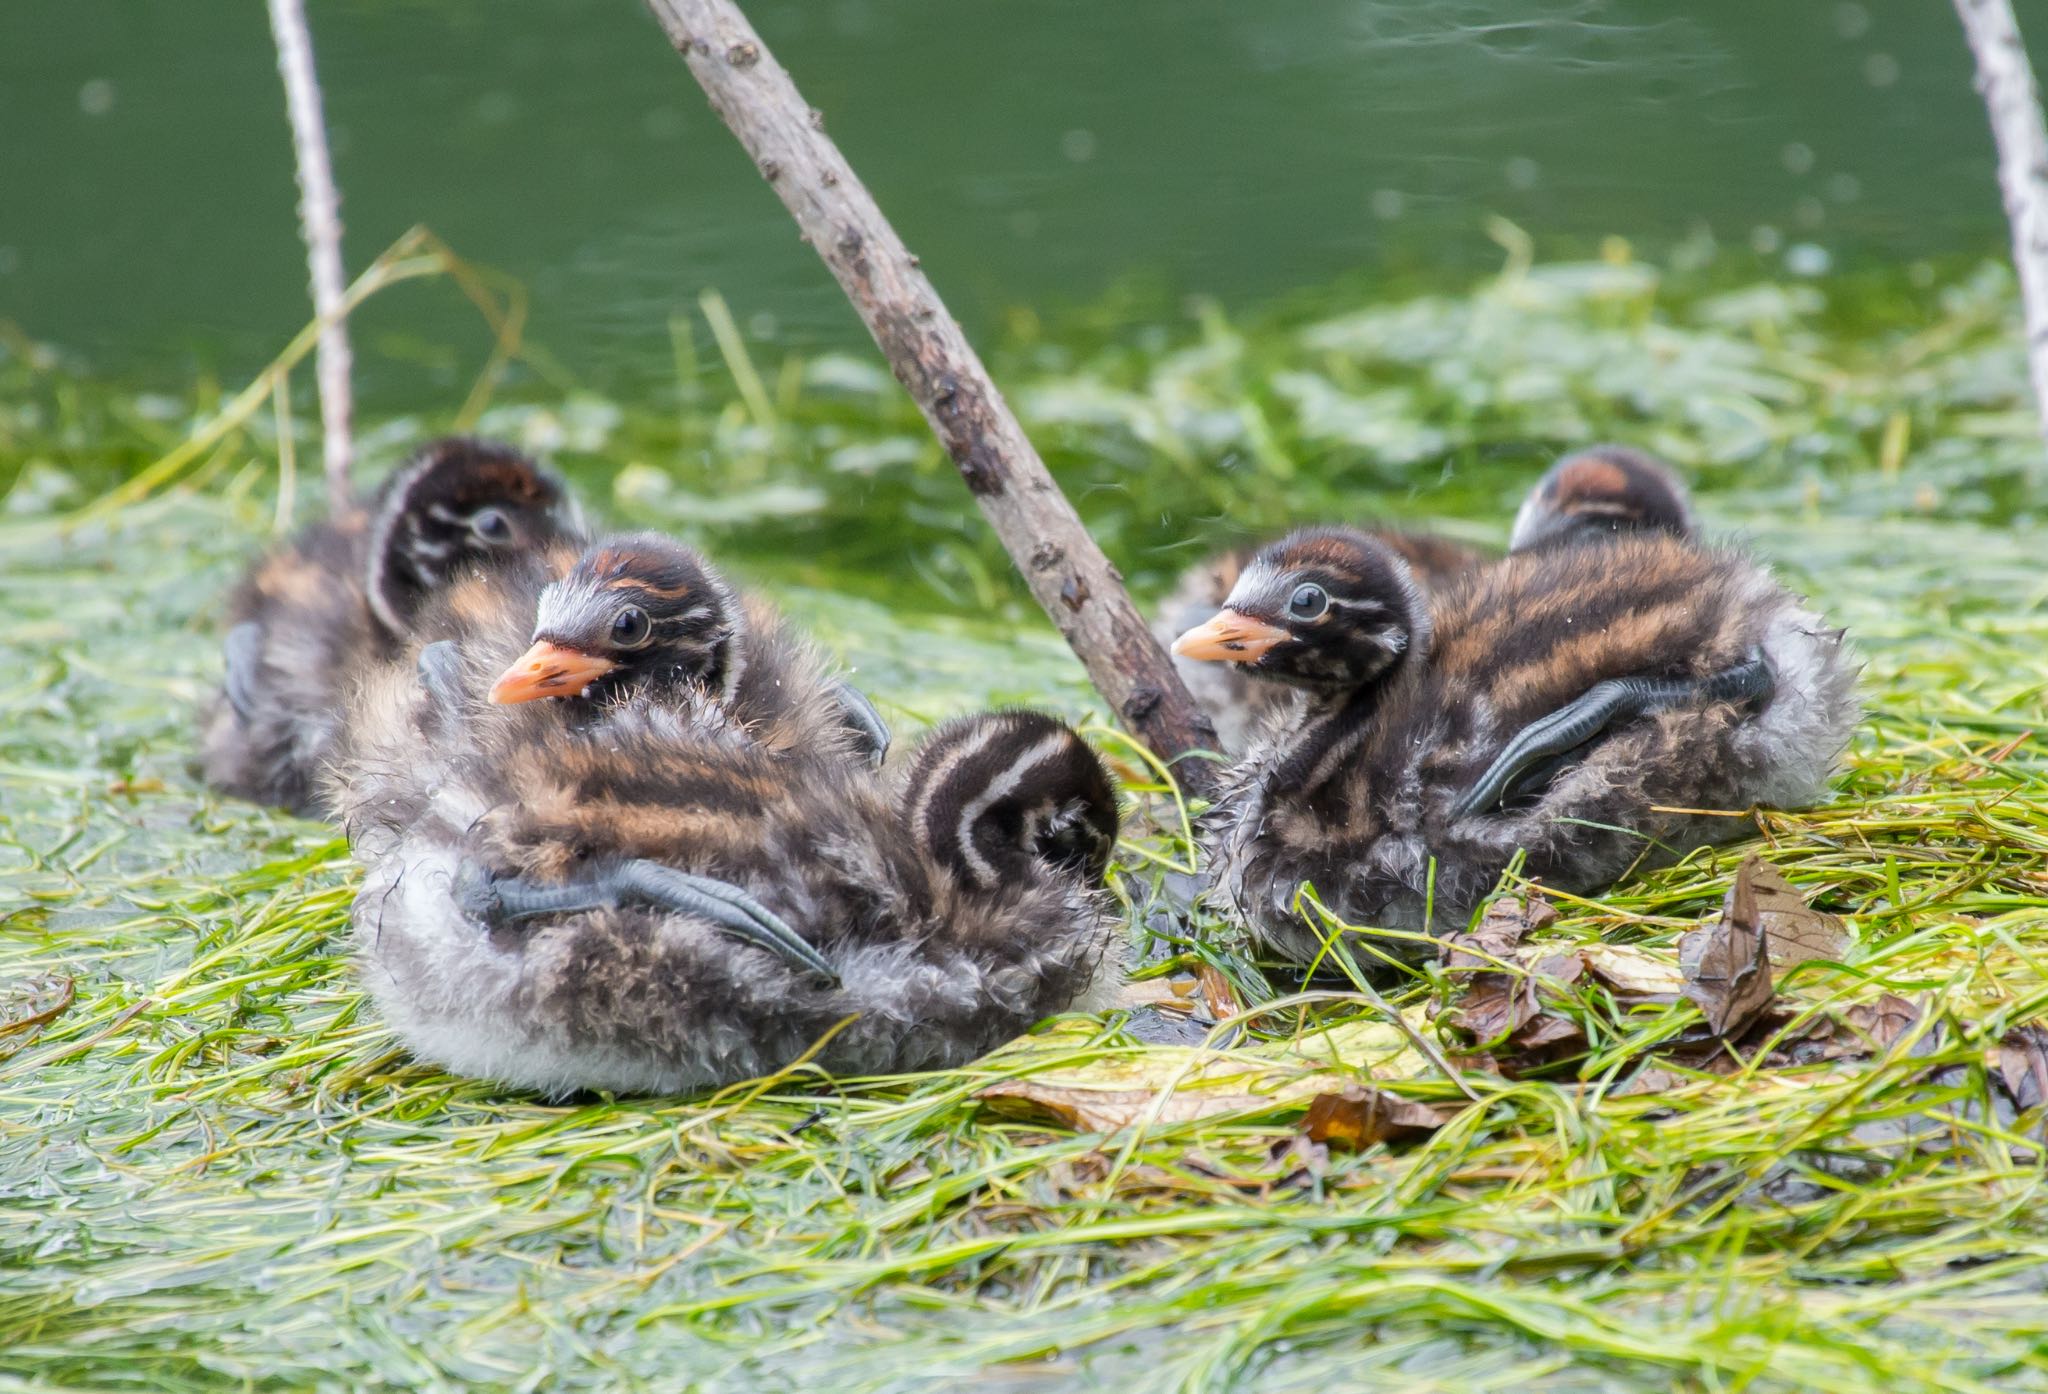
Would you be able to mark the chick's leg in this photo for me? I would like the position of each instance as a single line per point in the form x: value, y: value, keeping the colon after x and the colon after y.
x: 497, y: 900
x: 1537, y: 746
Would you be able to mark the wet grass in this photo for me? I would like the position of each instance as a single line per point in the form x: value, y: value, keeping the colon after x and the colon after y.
x: 217, y: 1171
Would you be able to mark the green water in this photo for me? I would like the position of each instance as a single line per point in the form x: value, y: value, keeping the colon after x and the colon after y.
x: 1035, y: 152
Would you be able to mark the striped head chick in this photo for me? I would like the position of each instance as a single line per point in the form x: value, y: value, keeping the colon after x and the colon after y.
x: 639, y: 614
x: 1238, y: 703
x: 1589, y: 710
x: 1602, y: 492
x: 675, y: 906
x: 454, y: 504
x: 347, y: 593
x: 1005, y: 798
x: 1332, y: 611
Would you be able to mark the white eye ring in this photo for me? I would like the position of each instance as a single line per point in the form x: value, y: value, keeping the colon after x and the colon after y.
x: 1308, y: 602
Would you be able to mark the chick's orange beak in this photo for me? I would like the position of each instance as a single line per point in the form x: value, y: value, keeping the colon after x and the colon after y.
x: 548, y: 670
x: 1231, y: 637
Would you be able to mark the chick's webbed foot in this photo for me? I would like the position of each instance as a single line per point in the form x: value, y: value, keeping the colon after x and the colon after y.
x: 243, y: 650
x: 496, y: 900
x: 1539, y: 747
x: 439, y: 668
x: 871, y: 733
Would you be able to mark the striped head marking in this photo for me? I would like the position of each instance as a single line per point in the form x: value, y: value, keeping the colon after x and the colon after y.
x: 636, y: 613
x: 1327, y: 609
x: 1005, y: 797
x: 455, y: 503
x: 1602, y: 492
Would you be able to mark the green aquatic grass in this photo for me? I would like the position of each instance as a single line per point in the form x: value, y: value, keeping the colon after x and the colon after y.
x: 217, y: 1171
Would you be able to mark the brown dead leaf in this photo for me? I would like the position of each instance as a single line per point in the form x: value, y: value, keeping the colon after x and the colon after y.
x: 1359, y: 1116
x: 1651, y: 1079
x: 1728, y: 969
x: 1498, y: 1001
x: 1504, y: 1009
x: 1300, y: 1163
x: 1499, y: 932
x: 1793, y: 930
x: 1217, y: 991
x: 1496, y: 1006
x: 1180, y: 1083
x: 1548, y: 1035
x: 1170, y: 994
x: 1883, y: 1022
x: 2023, y: 1066
x: 1097, y: 1110
x: 1634, y: 975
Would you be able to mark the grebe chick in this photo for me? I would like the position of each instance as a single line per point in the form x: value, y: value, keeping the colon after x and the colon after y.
x: 346, y: 592
x: 673, y: 907
x: 1603, y: 492
x: 643, y: 617
x: 1595, y: 708
x: 1235, y: 700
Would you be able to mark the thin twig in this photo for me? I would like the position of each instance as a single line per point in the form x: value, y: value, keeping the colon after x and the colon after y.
x: 320, y: 225
x: 2006, y: 80
x: 931, y: 357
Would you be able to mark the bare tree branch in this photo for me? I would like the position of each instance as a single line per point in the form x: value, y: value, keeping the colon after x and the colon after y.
x: 2006, y: 80
x: 931, y: 357
x: 320, y: 225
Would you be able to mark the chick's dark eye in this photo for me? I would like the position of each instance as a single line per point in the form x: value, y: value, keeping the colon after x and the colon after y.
x: 1308, y: 602
x: 631, y: 628
x: 491, y: 526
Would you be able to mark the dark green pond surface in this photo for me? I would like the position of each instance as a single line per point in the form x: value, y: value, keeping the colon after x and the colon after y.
x: 1035, y: 152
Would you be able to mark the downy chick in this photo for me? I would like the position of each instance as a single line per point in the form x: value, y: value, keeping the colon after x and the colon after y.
x: 673, y: 906
x: 1595, y: 708
x: 1235, y: 700
x: 345, y: 592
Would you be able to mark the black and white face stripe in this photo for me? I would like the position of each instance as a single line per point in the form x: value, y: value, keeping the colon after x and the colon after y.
x: 1372, y: 613
x: 993, y: 799
x: 424, y: 524
x: 694, y: 623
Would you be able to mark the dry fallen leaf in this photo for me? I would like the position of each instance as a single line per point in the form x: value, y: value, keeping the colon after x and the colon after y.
x: 1654, y: 1079
x: 1505, y: 1008
x: 1499, y: 931
x: 2023, y: 1066
x: 1359, y: 1116
x: 1498, y: 1002
x: 1634, y: 975
x: 1794, y: 931
x: 1547, y: 1036
x: 1092, y: 1109
x: 1497, y: 1005
x: 1176, y: 1084
x: 1727, y: 968
x: 1217, y: 991
x: 1172, y: 994
x: 1884, y: 1021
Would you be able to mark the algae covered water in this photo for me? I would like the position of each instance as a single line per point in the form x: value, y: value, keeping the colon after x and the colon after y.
x: 1237, y: 267
x: 219, y: 1171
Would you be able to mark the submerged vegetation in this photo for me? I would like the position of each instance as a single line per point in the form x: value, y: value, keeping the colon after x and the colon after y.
x: 216, y: 1170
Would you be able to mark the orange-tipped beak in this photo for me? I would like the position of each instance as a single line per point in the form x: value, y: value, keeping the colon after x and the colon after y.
x: 1229, y: 638
x: 548, y: 670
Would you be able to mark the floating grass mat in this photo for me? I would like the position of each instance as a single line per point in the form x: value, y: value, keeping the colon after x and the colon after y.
x: 217, y: 1171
